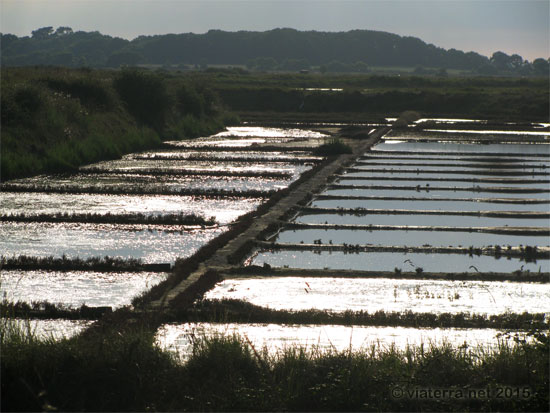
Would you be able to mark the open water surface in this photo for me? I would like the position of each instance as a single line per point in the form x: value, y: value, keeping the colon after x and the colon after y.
x: 388, y: 261
x: 409, y: 238
x: 150, y: 243
x: 278, y: 338
x: 386, y: 294
x: 422, y: 220
x: 74, y: 288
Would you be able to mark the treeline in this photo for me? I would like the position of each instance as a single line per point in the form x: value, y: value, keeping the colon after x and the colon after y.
x: 56, y: 119
x: 494, y: 103
x: 278, y: 49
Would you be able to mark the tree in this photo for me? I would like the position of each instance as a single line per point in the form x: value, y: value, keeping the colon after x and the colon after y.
x: 63, y: 30
x: 42, y: 33
x: 501, y: 61
x: 123, y: 58
x: 145, y: 96
x: 541, y: 67
x: 516, y: 61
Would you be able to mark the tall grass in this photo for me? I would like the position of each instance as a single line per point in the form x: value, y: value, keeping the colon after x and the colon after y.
x: 114, y: 371
x: 57, y: 120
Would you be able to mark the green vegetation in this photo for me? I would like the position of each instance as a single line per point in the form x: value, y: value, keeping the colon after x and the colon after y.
x: 356, y: 51
x: 105, y: 370
x: 65, y: 263
x: 57, y: 119
x: 333, y: 147
x: 238, y: 311
x: 50, y: 311
x: 157, y: 190
x: 373, y: 97
x: 108, y: 218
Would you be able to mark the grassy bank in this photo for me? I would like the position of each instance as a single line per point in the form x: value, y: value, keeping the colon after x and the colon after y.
x: 372, y: 97
x: 239, y: 311
x: 109, y: 371
x: 56, y: 119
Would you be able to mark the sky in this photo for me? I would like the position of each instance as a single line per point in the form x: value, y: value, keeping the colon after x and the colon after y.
x: 483, y: 26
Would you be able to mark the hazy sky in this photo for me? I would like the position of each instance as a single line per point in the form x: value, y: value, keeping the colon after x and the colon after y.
x: 484, y: 26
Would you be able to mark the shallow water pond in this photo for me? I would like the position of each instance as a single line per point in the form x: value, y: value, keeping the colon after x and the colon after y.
x: 429, y: 182
x: 268, y: 132
x: 516, y: 149
x: 277, y: 338
x: 74, y: 288
x: 452, y: 162
x: 145, y: 182
x: 48, y: 329
x: 433, y: 204
x: 144, y: 166
x: 388, y: 261
x: 224, y: 210
x: 426, y: 176
x: 433, y: 192
x: 465, y: 134
x: 423, y: 220
x: 446, y: 173
x: 386, y: 294
x: 474, y: 169
x: 409, y: 238
x: 243, y: 136
x: 152, y: 244
x: 224, y: 155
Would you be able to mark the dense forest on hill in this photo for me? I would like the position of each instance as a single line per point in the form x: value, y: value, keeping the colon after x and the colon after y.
x: 278, y: 49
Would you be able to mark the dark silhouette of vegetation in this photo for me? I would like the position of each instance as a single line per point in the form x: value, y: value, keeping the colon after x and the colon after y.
x: 55, y: 119
x: 108, y: 218
x: 145, y: 96
x: 47, y: 310
x: 238, y: 311
x: 102, y: 264
x: 137, y: 190
x: 394, y: 96
x: 333, y: 147
x: 353, y: 51
x: 112, y: 370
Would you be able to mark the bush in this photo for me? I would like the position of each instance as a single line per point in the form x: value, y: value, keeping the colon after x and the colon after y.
x: 145, y: 97
x: 91, y: 93
x: 189, y: 101
x: 333, y: 147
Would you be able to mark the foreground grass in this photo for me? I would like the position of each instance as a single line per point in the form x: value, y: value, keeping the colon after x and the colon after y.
x: 114, y: 371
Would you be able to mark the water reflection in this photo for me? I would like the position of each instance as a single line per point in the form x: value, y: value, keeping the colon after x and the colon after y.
x: 74, y: 288
x: 386, y: 294
x: 151, y: 243
x: 388, y: 261
x: 275, y: 338
x: 49, y: 329
x: 409, y: 238
x: 433, y: 204
x: 516, y: 149
x: 423, y: 220
x: 224, y: 210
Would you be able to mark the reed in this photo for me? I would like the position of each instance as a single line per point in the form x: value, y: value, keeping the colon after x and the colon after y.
x: 111, y: 370
x: 238, y: 311
x: 108, y: 218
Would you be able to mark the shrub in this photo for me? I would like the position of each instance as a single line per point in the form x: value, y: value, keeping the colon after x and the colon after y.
x: 333, y: 147
x: 145, y: 97
x: 91, y: 93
